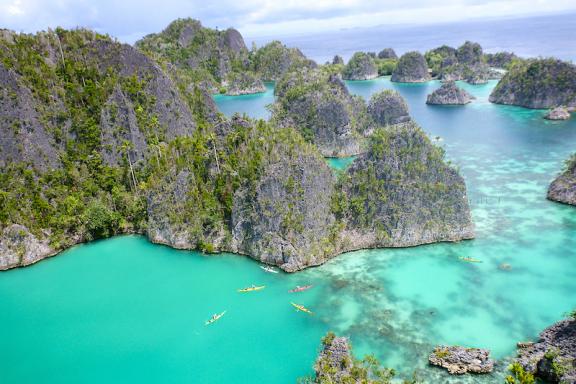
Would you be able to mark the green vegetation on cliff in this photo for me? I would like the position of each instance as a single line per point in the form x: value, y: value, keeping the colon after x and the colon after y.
x: 537, y: 83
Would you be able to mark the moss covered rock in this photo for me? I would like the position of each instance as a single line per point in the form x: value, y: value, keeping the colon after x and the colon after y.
x: 360, y: 67
x: 402, y: 193
x: 319, y: 105
x: 563, y: 188
x: 411, y: 68
x: 539, y: 83
x: 388, y: 108
x: 449, y: 94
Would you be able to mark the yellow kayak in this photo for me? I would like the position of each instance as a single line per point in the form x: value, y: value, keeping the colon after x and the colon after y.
x: 253, y: 288
x: 215, y: 318
x: 302, y: 308
x: 469, y: 259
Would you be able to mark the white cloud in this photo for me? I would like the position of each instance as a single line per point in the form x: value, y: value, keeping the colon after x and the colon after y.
x: 130, y: 19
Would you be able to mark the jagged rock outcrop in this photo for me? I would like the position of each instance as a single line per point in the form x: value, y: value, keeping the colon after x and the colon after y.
x: 387, y: 53
x: 469, y: 53
x: 465, y: 63
x: 285, y: 218
x: 335, y: 361
x: 500, y: 59
x: 244, y: 83
x: 539, y: 83
x: 24, y: 137
x: 361, y: 66
x: 388, y: 108
x: 563, y: 188
x: 320, y: 106
x: 194, y: 48
x: 411, y: 68
x: 553, y: 357
x: 19, y: 247
x: 336, y: 364
x: 449, y: 94
x: 558, y: 113
x: 102, y: 109
x: 402, y: 193
x: 460, y: 360
x: 337, y: 60
x: 274, y: 60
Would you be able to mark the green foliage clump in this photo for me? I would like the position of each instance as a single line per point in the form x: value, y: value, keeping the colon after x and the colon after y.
x: 519, y: 375
x: 386, y: 66
x: 275, y: 59
x: 360, y: 64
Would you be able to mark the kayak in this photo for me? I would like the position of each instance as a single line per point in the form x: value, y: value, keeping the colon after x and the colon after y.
x: 470, y: 259
x: 302, y: 308
x: 215, y: 318
x: 300, y: 289
x: 268, y: 269
x: 250, y: 289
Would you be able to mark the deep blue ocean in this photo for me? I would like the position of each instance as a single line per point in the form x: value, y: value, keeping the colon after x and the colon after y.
x: 551, y: 35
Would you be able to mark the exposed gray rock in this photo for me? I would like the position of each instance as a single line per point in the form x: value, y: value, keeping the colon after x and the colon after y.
x: 234, y: 40
x: 411, y: 68
x: 563, y: 188
x: 244, y: 83
x: 334, y: 362
x: 423, y: 198
x: 274, y: 60
x: 553, y: 357
x: 24, y: 137
x: 320, y: 106
x: 460, y: 360
x: 469, y: 53
x: 337, y: 60
x: 500, y: 59
x: 540, y: 83
x: 19, y: 247
x: 285, y: 219
x: 558, y: 113
x: 360, y: 67
x: 449, y: 94
x: 388, y: 108
x: 387, y: 53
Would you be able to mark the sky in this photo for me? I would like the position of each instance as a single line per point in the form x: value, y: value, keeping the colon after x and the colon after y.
x: 129, y: 20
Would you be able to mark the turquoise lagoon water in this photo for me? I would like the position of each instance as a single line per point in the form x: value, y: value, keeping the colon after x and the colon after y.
x: 124, y: 310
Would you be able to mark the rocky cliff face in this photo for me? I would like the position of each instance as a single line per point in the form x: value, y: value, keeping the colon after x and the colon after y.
x: 539, y: 83
x: 449, y: 94
x: 320, y: 106
x: 387, y: 53
x: 89, y: 113
x: 24, y: 137
x: 285, y: 218
x: 402, y: 168
x: 388, y: 108
x: 411, y: 68
x: 468, y: 63
x: 360, y: 67
x: 274, y: 60
x: 563, y: 188
x: 193, y: 48
x: 553, y: 357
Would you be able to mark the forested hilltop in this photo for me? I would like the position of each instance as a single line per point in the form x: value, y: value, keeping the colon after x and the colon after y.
x: 100, y: 138
x: 220, y: 59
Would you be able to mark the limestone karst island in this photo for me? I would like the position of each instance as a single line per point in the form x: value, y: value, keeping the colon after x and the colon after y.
x: 331, y: 192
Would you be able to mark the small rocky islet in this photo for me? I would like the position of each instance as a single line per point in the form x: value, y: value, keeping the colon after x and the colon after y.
x: 449, y: 94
